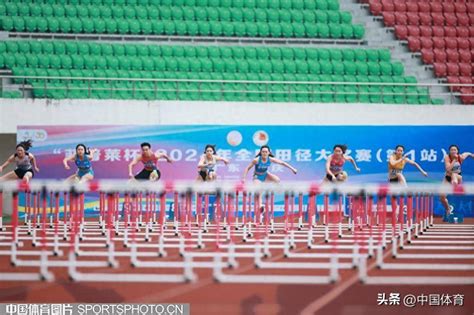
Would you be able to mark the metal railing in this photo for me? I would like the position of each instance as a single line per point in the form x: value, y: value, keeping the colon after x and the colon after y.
x: 190, y: 39
x: 52, y: 87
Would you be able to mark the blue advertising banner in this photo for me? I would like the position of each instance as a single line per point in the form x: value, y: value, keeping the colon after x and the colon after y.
x: 304, y: 147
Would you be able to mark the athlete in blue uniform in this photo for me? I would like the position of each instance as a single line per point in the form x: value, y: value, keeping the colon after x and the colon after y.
x: 208, y: 162
x: 24, y: 161
x: 82, y: 159
x: 262, y: 162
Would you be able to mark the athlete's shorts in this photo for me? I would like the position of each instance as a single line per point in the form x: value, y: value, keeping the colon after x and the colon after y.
x: 393, y: 180
x: 21, y: 173
x: 260, y: 177
x: 81, y: 173
x: 329, y: 177
x: 204, y: 174
x: 449, y: 178
x: 145, y: 174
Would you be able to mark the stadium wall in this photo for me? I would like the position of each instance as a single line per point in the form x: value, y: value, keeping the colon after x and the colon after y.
x: 16, y: 112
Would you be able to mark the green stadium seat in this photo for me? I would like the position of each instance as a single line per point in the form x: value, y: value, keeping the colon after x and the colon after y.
x: 323, y: 30
x: 18, y: 24
x: 212, y: 14
x: 275, y: 30
x: 7, y: 23
x: 284, y: 16
x: 358, y: 31
x: 347, y: 31
x: 397, y: 68
x: 122, y: 26
x: 204, y: 28
x: 322, y: 17
x: 335, y: 30
x: 82, y: 11
x: 273, y: 63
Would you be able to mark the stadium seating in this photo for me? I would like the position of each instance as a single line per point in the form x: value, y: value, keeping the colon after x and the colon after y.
x: 443, y: 32
x: 11, y: 94
x: 229, y: 18
x: 104, y: 61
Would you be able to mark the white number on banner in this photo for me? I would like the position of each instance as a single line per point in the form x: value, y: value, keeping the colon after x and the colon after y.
x: 191, y: 155
x: 176, y: 155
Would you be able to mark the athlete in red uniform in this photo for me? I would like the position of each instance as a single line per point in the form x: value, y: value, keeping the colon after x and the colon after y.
x: 453, y: 175
x: 335, y: 164
x: 149, y: 159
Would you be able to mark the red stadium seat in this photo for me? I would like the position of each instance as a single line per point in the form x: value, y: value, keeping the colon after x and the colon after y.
x: 467, y: 96
x: 463, y: 43
x: 401, y: 31
x: 450, y: 19
x: 427, y: 56
x: 401, y: 18
x: 425, y: 18
x: 448, y: 7
x: 438, y: 31
x: 426, y: 31
x: 388, y: 18
x: 460, y: 7
x: 413, y: 30
x: 436, y: 7
x: 438, y: 42
x: 388, y: 6
x: 437, y: 18
x: 440, y: 70
x: 440, y: 55
x: 450, y: 31
x: 442, y: 30
x: 454, y: 80
x: 465, y: 55
x: 465, y: 69
x: 465, y: 80
x: 462, y: 31
x: 452, y: 55
x: 400, y: 6
x: 413, y: 18
x: 452, y: 68
x: 375, y: 7
x: 414, y: 44
x: 412, y: 7
x: 426, y: 42
x: 470, y: 7
x: 451, y: 42
x: 424, y: 7
x: 463, y: 20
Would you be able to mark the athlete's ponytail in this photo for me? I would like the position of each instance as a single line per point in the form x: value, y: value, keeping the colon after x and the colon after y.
x: 343, y: 148
x: 26, y: 145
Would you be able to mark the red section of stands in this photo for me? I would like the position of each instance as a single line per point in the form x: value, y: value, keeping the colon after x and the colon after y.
x: 442, y: 31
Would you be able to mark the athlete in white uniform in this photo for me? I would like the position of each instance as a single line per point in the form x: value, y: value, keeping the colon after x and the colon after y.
x: 208, y: 162
x: 25, y: 163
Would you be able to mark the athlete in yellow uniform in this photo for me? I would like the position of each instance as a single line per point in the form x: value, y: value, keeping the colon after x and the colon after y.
x: 396, y: 164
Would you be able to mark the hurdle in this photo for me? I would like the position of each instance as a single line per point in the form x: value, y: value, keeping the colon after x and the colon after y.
x: 139, y: 224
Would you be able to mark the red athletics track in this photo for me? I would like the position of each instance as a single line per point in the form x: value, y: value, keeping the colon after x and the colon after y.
x: 347, y: 296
